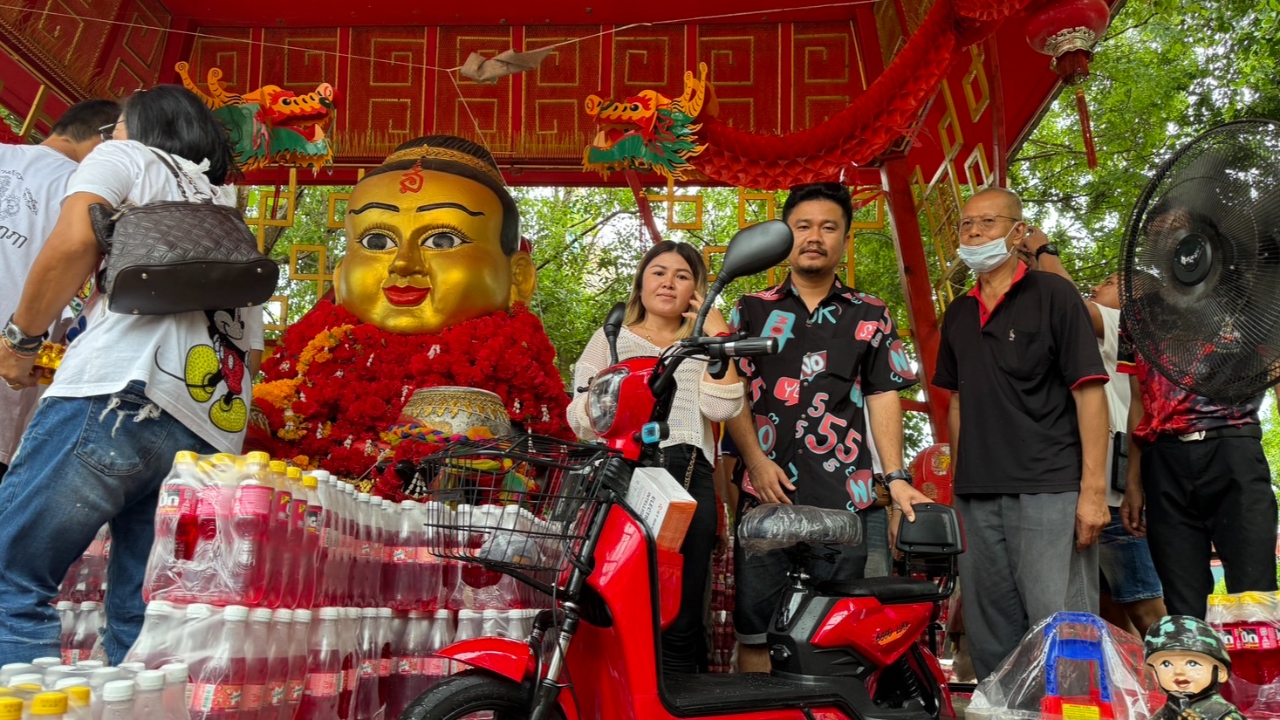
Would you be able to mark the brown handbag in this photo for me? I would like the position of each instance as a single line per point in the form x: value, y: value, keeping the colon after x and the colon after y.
x: 171, y: 257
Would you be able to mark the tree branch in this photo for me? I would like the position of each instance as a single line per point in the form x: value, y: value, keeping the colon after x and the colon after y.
x: 595, y: 227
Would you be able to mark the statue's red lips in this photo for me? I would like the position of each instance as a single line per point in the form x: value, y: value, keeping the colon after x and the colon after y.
x: 406, y: 296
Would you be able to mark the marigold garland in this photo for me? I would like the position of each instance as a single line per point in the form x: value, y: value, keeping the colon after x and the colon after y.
x: 335, y: 386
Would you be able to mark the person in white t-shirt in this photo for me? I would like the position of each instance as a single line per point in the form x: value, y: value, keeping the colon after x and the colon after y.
x: 33, y: 179
x: 132, y: 390
x: 1132, y: 597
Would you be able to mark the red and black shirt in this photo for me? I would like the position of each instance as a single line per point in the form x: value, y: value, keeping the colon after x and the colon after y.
x: 1168, y: 409
x: 808, y: 398
x: 1015, y: 365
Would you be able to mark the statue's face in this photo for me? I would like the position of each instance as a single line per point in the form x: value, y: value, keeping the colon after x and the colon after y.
x: 419, y: 262
x: 1185, y: 673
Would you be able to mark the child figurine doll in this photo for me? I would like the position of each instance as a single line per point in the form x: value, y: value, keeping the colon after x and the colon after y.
x: 1190, y: 663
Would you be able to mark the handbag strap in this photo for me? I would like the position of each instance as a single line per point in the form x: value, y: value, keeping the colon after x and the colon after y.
x: 179, y: 174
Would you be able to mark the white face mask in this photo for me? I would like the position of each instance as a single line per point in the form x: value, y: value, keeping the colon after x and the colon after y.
x: 989, y: 255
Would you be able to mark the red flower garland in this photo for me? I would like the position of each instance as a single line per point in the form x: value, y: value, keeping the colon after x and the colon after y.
x: 350, y: 395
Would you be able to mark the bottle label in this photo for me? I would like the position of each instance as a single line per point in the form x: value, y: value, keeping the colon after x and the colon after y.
x: 350, y: 677
x: 298, y: 515
x: 312, y: 518
x: 176, y: 501
x: 403, y: 555
x: 212, y: 696
x: 407, y: 666
x: 436, y: 667
x: 323, y: 684
x: 366, y: 550
x: 253, y: 500
x: 71, y: 657
x: 283, y: 499
x: 368, y: 669
x: 276, y: 692
x: 384, y: 666
x: 296, y: 690
x: 1250, y: 637
x: 252, y: 698
x: 426, y: 557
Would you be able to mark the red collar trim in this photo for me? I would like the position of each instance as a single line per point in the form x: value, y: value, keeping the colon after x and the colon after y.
x: 975, y: 292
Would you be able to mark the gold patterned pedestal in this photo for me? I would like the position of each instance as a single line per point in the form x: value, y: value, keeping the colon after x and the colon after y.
x: 455, y: 410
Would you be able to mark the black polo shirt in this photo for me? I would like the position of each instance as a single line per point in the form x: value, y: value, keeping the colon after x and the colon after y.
x: 808, y: 398
x: 1014, y: 366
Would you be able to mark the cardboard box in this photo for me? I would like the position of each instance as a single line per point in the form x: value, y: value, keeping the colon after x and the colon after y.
x: 664, y: 504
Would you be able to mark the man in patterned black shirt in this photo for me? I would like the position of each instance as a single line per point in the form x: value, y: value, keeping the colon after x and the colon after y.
x: 803, y: 436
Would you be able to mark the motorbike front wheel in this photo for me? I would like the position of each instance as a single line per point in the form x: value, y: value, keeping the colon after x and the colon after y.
x: 474, y: 695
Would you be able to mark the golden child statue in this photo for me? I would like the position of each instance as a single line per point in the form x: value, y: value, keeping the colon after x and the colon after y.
x: 432, y: 292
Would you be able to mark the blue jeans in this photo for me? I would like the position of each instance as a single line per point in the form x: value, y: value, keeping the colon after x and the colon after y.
x: 83, y: 462
x: 1128, y: 574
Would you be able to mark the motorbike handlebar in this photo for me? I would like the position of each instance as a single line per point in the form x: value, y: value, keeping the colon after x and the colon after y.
x: 750, y: 347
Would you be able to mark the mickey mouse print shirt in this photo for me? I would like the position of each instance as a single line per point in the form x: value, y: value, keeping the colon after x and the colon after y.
x: 195, y: 364
x: 808, y: 399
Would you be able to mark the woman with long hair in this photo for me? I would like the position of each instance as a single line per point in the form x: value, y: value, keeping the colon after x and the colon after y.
x: 669, y: 289
x: 131, y: 391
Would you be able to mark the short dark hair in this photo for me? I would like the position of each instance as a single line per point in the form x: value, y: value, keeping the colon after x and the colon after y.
x: 510, y: 240
x: 85, y: 120
x: 829, y: 191
x: 171, y: 118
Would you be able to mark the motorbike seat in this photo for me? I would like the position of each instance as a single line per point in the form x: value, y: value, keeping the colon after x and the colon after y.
x: 780, y: 527
x: 887, y: 590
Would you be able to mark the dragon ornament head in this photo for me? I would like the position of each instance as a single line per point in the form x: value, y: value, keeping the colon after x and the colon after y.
x: 648, y: 131
x: 271, y: 125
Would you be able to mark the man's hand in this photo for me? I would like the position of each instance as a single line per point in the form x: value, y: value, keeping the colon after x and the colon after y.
x: 769, y: 480
x: 904, y: 496
x: 17, y: 371
x: 1026, y: 247
x: 1091, y: 516
x: 1131, y: 509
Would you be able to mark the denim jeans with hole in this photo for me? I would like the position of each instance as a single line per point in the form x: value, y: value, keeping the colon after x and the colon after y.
x: 84, y: 462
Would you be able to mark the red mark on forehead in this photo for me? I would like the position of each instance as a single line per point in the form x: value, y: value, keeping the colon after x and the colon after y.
x: 412, y: 180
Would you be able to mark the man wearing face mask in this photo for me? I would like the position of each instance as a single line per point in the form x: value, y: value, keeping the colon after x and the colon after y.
x: 1030, y: 478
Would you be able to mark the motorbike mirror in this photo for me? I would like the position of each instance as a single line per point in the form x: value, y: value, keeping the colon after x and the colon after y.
x: 755, y: 249
x: 612, y: 325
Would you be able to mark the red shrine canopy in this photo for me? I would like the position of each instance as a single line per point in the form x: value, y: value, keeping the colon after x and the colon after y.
x: 915, y: 103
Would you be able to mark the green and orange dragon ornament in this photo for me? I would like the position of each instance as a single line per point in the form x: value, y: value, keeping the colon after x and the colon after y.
x: 648, y: 131
x: 270, y: 126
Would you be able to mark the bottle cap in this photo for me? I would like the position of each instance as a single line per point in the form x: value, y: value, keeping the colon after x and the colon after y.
x: 132, y: 667
x: 118, y: 691
x: 261, y: 614
x: 28, y: 678
x: 50, y: 703
x: 175, y: 672
x: 302, y: 616
x: 69, y: 682
x: 10, y: 708
x: 159, y: 607
x: 363, y: 497
x: 258, y: 457
x: 490, y: 613
x: 408, y: 504
x: 329, y: 613
x: 31, y: 688
x: 90, y: 605
x: 294, y: 473
x: 90, y: 664
x: 283, y: 615
x: 65, y: 605
x: 468, y: 614
x: 417, y: 614
x: 78, y: 694
x: 199, y: 610
x: 102, y: 676
x: 309, y: 481
x: 150, y: 680
x: 16, y: 668
x: 277, y: 466
x: 185, y: 456
x: 442, y: 614
x: 45, y: 663
x: 235, y: 613
x: 369, y: 612
x: 384, y: 612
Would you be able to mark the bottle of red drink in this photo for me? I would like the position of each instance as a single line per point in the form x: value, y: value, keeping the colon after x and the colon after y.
x: 205, y: 578
x: 400, y: 570
x: 176, y: 529
x: 310, y: 547
x: 350, y: 538
x: 362, y: 592
x: 295, y: 544
x: 320, y: 698
x: 386, y: 656
x: 433, y: 520
x: 378, y: 523
x: 256, y: 663
x: 218, y: 687
x: 368, y: 701
x: 88, y: 622
x: 276, y: 696
x: 198, y: 635
x: 324, y: 547
x: 299, y: 642
x: 250, y: 524
x: 414, y: 660
x: 157, y: 643
x: 438, y: 668
x: 277, y: 559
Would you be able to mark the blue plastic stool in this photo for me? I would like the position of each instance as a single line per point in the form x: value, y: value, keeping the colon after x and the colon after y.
x: 1058, y: 648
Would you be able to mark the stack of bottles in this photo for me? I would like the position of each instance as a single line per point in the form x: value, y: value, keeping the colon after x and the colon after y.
x: 334, y: 662
x: 723, y: 638
x: 49, y: 688
x: 80, y: 598
x: 1249, y: 624
x: 249, y: 531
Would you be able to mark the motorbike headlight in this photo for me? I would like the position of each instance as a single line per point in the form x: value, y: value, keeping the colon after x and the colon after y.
x: 602, y: 399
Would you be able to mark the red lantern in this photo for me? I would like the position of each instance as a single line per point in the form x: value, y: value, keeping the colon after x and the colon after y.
x: 931, y: 470
x: 1067, y: 30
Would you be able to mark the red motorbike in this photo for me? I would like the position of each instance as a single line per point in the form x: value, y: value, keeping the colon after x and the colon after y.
x: 846, y: 649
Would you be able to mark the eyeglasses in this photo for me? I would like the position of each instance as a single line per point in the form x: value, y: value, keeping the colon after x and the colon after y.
x: 106, y: 131
x: 984, y: 223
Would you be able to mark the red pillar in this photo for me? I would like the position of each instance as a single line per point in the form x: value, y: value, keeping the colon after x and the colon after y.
x: 913, y: 268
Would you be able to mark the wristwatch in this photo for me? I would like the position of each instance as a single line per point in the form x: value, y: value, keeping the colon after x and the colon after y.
x: 903, y: 474
x: 21, y: 343
x: 1047, y: 248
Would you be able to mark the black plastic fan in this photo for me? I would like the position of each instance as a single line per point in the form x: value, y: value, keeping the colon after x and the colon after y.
x: 1201, y: 283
